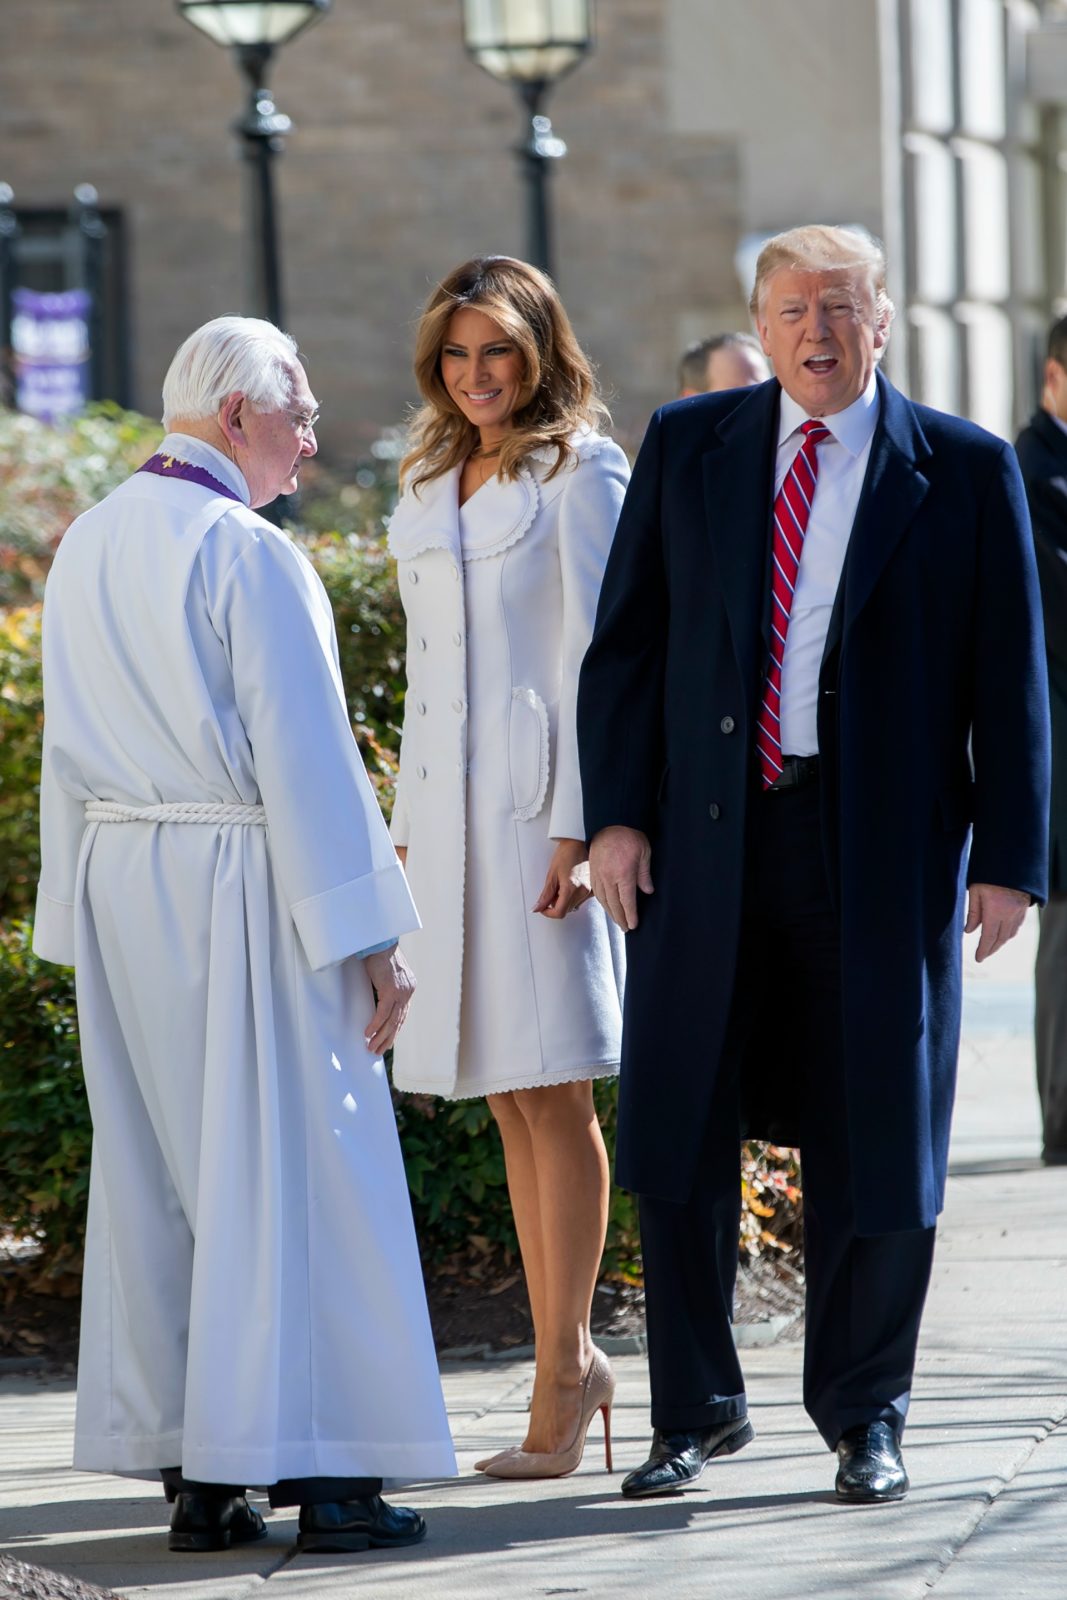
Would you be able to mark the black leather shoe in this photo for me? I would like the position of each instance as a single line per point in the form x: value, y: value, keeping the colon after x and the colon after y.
x: 678, y: 1459
x: 871, y: 1467
x: 206, y: 1522
x: 345, y: 1525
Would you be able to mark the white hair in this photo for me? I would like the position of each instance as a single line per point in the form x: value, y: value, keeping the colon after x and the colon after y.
x: 228, y: 355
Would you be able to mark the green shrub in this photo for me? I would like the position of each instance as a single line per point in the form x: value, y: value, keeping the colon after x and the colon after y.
x: 21, y: 714
x: 50, y: 475
x: 44, y: 1115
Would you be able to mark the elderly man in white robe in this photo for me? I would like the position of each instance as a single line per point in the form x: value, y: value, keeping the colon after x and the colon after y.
x: 216, y: 868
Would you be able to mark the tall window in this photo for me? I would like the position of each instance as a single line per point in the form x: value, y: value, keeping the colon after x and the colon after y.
x: 976, y: 291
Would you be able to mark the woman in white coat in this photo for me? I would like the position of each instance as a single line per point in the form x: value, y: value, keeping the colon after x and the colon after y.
x: 511, y: 496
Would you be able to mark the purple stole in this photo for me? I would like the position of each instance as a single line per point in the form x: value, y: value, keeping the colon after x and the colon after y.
x: 173, y: 467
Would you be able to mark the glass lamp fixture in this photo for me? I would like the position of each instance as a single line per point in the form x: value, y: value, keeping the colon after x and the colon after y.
x: 528, y: 41
x: 252, y: 22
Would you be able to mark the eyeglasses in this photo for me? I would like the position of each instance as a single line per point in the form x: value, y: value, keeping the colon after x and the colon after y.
x: 305, y: 425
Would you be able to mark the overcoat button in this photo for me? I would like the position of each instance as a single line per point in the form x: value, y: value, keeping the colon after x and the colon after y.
x: 457, y: 638
x: 714, y: 811
x: 457, y: 705
x: 422, y: 644
x: 727, y: 724
x: 420, y: 707
x: 413, y: 577
x: 455, y: 574
x: 421, y: 771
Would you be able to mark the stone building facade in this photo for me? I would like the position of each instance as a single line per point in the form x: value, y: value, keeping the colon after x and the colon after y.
x: 695, y: 128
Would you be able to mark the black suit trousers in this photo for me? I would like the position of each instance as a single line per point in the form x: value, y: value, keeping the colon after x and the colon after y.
x: 287, y: 1492
x: 865, y: 1295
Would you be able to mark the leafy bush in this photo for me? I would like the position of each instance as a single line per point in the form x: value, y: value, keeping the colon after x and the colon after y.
x: 49, y: 476
x: 22, y: 713
x: 44, y: 1115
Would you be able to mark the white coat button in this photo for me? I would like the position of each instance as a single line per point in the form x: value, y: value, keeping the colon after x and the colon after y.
x: 421, y: 644
x: 413, y: 577
x: 457, y: 638
x: 455, y: 574
x: 421, y: 771
x: 457, y: 705
x: 420, y: 707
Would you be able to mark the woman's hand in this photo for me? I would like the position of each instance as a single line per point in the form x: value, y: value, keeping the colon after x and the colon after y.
x: 567, y: 882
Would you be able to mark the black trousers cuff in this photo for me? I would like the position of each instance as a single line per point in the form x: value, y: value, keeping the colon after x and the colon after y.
x: 689, y: 1419
x: 320, y: 1491
x: 175, y: 1484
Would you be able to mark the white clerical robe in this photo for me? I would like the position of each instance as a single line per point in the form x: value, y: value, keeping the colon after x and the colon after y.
x: 253, y: 1302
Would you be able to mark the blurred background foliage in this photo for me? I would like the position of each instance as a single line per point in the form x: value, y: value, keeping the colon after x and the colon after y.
x: 452, y: 1152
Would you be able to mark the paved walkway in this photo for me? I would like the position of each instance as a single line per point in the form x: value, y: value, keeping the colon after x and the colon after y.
x: 986, y: 1446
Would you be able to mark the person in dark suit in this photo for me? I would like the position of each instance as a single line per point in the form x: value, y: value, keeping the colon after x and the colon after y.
x: 820, y: 605
x: 1042, y: 452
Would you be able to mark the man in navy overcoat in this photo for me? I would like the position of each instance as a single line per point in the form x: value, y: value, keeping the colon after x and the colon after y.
x: 817, y: 675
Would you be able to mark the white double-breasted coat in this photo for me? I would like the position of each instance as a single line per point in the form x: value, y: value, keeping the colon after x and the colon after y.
x: 500, y: 596
x: 253, y: 1304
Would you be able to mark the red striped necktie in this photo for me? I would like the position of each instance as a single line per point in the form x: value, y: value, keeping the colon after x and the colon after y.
x: 792, y: 508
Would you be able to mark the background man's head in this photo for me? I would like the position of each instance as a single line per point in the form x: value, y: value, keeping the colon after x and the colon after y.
x: 237, y: 383
x: 1054, y: 395
x: 823, y: 314
x: 725, y: 361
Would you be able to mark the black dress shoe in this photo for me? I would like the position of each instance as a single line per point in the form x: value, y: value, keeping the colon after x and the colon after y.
x: 871, y: 1467
x: 208, y: 1522
x: 678, y: 1459
x: 345, y: 1525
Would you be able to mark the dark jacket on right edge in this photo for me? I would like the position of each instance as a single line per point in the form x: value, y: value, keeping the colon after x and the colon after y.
x: 1042, y: 452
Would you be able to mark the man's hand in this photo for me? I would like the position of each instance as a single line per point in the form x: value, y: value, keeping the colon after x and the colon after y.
x: 567, y: 881
x: 998, y: 912
x: 619, y: 860
x: 394, y: 985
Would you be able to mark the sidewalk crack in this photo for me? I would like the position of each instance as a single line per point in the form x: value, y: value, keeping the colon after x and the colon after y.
x: 954, y: 1549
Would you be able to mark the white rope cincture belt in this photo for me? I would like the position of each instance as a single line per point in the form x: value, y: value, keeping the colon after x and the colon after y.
x: 209, y: 811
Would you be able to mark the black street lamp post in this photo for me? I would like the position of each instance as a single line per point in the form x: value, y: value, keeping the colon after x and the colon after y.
x: 532, y: 44
x: 254, y: 29
x: 9, y: 233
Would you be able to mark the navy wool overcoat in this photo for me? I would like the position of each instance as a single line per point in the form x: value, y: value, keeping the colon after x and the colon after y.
x: 933, y: 721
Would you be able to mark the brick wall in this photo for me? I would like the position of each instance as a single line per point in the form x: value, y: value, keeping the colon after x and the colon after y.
x: 400, y: 165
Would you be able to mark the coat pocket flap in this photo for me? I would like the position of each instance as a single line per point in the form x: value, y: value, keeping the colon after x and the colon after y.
x: 528, y: 759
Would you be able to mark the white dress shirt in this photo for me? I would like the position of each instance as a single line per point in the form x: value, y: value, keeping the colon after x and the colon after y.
x: 842, y: 466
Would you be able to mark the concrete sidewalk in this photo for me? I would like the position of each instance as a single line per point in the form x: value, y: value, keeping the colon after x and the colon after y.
x: 986, y: 1444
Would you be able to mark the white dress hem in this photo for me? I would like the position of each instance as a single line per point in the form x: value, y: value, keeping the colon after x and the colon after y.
x: 595, y: 1069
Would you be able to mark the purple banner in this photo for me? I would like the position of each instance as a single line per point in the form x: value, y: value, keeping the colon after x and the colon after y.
x: 50, y: 342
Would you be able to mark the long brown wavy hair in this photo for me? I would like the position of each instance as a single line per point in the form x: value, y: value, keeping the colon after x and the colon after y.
x: 559, y: 392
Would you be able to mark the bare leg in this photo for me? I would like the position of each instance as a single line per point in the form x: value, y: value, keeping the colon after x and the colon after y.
x: 525, y: 1206
x: 571, y: 1184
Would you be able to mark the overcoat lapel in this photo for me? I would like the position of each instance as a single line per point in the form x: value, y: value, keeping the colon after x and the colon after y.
x: 738, y: 519
x: 893, y: 491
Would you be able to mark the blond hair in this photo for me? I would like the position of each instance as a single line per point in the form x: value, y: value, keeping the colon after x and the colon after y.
x: 558, y: 395
x: 819, y: 248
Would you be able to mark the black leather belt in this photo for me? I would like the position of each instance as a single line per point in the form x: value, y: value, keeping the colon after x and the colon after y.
x: 796, y: 773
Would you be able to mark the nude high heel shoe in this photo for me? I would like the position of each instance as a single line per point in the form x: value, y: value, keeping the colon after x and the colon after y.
x: 598, y: 1392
